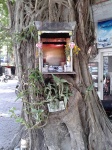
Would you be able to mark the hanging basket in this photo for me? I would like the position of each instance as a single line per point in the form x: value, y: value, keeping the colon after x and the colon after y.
x: 52, y: 107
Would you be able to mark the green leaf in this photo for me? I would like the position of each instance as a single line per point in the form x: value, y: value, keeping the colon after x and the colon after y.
x: 64, y: 81
x: 12, y: 109
x: 34, y: 110
x: 19, y: 120
x: 90, y: 88
x: 65, y: 101
x: 56, y: 79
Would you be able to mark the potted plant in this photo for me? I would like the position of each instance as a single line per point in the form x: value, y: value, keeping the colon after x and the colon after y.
x: 57, y: 94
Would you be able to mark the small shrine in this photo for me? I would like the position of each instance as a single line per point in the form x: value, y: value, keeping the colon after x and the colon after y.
x: 55, y: 47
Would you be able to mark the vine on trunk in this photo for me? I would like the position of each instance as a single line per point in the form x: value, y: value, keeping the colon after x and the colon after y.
x: 42, y: 92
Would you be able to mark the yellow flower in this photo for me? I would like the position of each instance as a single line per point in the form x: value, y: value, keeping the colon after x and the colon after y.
x: 36, y: 53
x: 76, y: 50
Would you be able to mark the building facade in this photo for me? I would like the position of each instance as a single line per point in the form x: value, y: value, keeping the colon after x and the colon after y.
x: 102, y: 64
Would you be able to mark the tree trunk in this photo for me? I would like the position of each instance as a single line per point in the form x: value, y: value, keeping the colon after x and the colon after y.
x: 83, y: 125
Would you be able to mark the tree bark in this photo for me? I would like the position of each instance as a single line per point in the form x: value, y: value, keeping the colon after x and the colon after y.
x: 83, y: 125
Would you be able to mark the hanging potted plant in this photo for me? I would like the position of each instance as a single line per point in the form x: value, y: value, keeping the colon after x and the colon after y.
x: 57, y: 94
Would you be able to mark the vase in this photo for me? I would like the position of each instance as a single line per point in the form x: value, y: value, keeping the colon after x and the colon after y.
x: 68, y: 63
x: 68, y: 58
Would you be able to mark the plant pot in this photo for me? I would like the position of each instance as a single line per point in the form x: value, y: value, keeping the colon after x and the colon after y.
x: 52, y: 107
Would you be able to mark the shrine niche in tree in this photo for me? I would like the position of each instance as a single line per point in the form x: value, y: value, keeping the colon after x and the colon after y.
x: 53, y: 54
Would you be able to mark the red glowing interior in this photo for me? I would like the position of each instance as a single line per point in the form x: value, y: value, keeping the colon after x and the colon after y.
x: 53, y: 54
x: 54, y: 50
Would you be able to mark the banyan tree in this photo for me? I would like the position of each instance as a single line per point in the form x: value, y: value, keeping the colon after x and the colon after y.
x: 82, y: 124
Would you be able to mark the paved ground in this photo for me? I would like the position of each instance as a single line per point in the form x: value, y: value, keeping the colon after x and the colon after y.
x: 8, y: 126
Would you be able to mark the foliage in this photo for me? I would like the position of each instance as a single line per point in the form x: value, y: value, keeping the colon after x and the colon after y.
x: 29, y: 32
x: 5, y: 36
x: 57, y: 91
x: 41, y: 94
x: 3, y: 12
x: 17, y: 118
x: 63, y: 91
x: 88, y: 90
